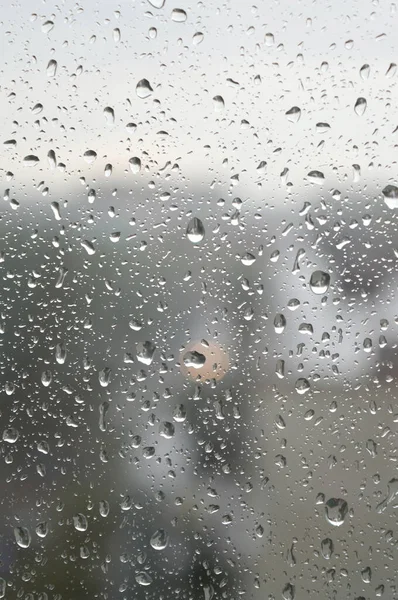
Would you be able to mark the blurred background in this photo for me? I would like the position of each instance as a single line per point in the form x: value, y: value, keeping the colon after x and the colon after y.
x: 198, y: 322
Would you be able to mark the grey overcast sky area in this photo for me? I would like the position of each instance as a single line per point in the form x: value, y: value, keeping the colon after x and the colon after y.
x: 255, y: 56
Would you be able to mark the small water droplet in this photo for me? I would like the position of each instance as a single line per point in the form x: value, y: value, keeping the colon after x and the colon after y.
x: 364, y: 71
x: 197, y: 38
x: 219, y: 103
x: 109, y: 114
x: 47, y: 26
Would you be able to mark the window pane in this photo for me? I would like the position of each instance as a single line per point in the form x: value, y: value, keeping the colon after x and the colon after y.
x: 198, y: 309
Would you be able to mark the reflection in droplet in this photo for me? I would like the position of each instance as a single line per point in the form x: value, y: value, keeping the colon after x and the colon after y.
x: 194, y: 359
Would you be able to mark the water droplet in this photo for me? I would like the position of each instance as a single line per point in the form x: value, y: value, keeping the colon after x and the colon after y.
x: 42, y: 529
x: 197, y: 38
x: 178, y: 15
x: 279, y: 323
x: 166, y: 430
x: 108, y: 170
x: 52, y: 68
x: 153, y: 32
x: 31, y: 160
x: 143, y: 89
x: 288, y: 592
x: 60, y: 353
x: 52, y: 159
x: 390, y: 194
x: 143, y: 578
x: 135, y: 165
x: 159, y: 540
x: 47, y: 26
x: 116, y: 35
x: 157, y: 3
x: 392, y: 69
x: 10, y: 435
x: 88, y: 246
x: 145, y: 352
x: 360, y: 106
x: 109, y: 115
x: 80, y: 522
x: 293, y: 115
x: 316, y: 177
x: 179, y: 413
x: 335, y: 511
x: 219, y: 103
x: 319, y: 282
x: 322, y: 127
x: 302, y: 385
x: 364, y: 71
x: 37, y: 109
x: 194, y: 359
x: 366, y: 575
x: 247, y: 259
x: 90, y: 156
x: 104, y: 377
x: 327, y: 548
x: 46, y: 378
x: 22, y: 537
x: 269, y: 39
x: 195, y: 231
x: 104, y: 508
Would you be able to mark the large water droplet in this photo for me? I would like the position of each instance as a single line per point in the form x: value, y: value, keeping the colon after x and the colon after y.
x: 316, y: 177
x: 360, y: 106
x: 194, y: 359
x: 135, y: 165
x: 145, y: 352
x: 143, y: 89
x: 166, y: 430
x: 80, y: 522
x: 159, y: 540
x: 178, y: 15
x: 195, y: 231
x: 390, y: 194
x: 319, y: 282
x: 52, y: 68
x: 143, y: 578
x: 90, y: 156
x: 302, y: 385
x: 293, y: 114
x: 22, y: 537
x: 10, y: 435
x: 327, y: 548
x: 31, y: 160
x: 335, y: 511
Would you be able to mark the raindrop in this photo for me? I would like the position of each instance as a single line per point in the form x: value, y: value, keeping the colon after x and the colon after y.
x: 327, y: 548
x: 319, y: 282
x: 157, y: 3
x: 178, y: 15
x: 159, y: 540
x: 197, y: 38
x: 195, y: 231
x: 143, y: 89
x: 219, y: 103
x: 302, y: 386
x: 109, y: 115
x: 80, y: 522
x: 288, y: 592
x: 22, y: 537
x: 31, y: 160
x: 90, y: 156
x: 145, y: 352
x: 135, y: 165
x: 194, y: 359
x: 335, y: 511
x: 293, y: 115
x: 52, y: 68
x: 316, y: 177
x: 364, y: 71
x: 143, y: 578
x: 166, y: 430
x: 390, y: 194
x: 10, y: 435
x: 47, y: 26
x: 360, y: 106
